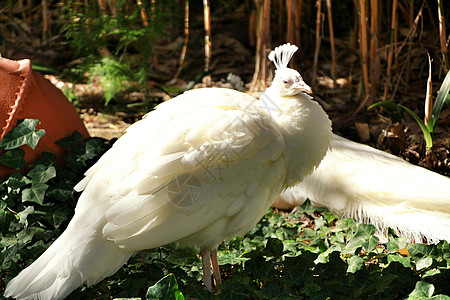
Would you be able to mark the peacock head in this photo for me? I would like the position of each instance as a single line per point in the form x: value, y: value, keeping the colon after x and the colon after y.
x: 287, y: 82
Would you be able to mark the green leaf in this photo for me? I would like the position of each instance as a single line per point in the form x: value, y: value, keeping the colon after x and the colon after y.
x: 371, y: 243
x: 24, y: 134
x: 418, y: 251
x: 422, y: 255
x: 391, y: 108
x: 46, y: 159
x: 165, y: 289
x: 16, y: 181
x: 71, y: 141
x: 35, y: 194
x: 423, y: 263
x: 426, y: 132
x: 395, y: 244
x: 440, y: 99
x: 42, y: 174
x: 345, y: 223
x: 274, y: 247
x: 364, y: 237
x: 423, y: 290
x: 233, y: 289
x: 405, y: 261
x: 13, y: 159
x: 94, y: 147
x: 24, y: 214
x: 355, y: 263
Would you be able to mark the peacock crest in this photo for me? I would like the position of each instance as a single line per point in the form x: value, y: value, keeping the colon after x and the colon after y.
x: 281, y: 55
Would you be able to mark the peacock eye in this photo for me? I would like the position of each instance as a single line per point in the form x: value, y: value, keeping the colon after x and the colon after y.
x: 285, y: 81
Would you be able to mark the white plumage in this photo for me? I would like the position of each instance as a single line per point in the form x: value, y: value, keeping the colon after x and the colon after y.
x: 372, y: 186
x: 202, y: 168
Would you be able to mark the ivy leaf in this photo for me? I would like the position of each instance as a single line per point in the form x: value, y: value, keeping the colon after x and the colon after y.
x: 46, y: 159
x: 42, y: 174
x: 13, y: 159
x: 422, y: 255
x: 71, y: 141
x: 423, y: 290
x: 355, y: 263
x: 94, y: 147
x: 35, y: 194
x: 165, y: 289
x: 346, y: 223
x: 274, y: 247
x: 24, y: 134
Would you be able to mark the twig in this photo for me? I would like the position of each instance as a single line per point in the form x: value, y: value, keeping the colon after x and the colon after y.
x: 391, y: 49
x: 443, y: 37
x: 333, y: 48
x: 186, y: 39
x: 318, y: 40
x: 374, y: 59
x: 363, y: 24
x: 45, y: 21
x: 408, y: 57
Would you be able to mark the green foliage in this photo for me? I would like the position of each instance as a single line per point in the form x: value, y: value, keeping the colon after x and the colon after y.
x: 115, y: 47
x: 36, y: 206
x: 166, y: 288
x: 282, y: 257
x: 24, y: 133
x: 395, y: 113
x: 114, y: 77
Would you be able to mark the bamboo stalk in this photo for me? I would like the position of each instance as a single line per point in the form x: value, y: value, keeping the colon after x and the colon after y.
x: 443, y: 36
x: 391, y: 50
x: 318, y: 40
x: 186, y: 39
x: 333, y: 48
x: 262, y: 39
x: 207, y: 24
x: 364, y: 50
x: 45, y: 21
x: 374, y: 59
x: 290, y: 23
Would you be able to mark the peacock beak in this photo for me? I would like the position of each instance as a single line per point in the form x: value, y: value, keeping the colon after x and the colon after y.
x: 301, y: 86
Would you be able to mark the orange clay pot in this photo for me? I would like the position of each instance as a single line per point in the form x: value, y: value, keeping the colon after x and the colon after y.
x: 24, y: 94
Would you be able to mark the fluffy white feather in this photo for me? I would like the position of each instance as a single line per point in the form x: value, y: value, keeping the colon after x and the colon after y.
x: 372, y: 186
x: 238, y: 156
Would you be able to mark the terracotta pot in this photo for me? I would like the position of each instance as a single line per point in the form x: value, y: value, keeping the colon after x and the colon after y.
x: 24, y: 94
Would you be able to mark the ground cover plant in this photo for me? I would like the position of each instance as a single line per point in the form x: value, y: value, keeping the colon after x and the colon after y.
x: 307, y: 254
x: 127, y: 56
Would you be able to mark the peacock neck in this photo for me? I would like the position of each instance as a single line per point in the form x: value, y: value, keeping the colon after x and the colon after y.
x: 307, y: 132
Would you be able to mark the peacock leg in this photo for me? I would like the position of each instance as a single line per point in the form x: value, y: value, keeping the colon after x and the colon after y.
x: 206, y: 268
x: 215, y: 267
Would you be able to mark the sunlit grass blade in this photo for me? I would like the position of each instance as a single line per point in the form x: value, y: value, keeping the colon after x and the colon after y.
x: 440, y: 99
x: 426, y: 132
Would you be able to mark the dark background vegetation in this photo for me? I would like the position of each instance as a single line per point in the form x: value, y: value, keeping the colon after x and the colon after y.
x: 115, y: 60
